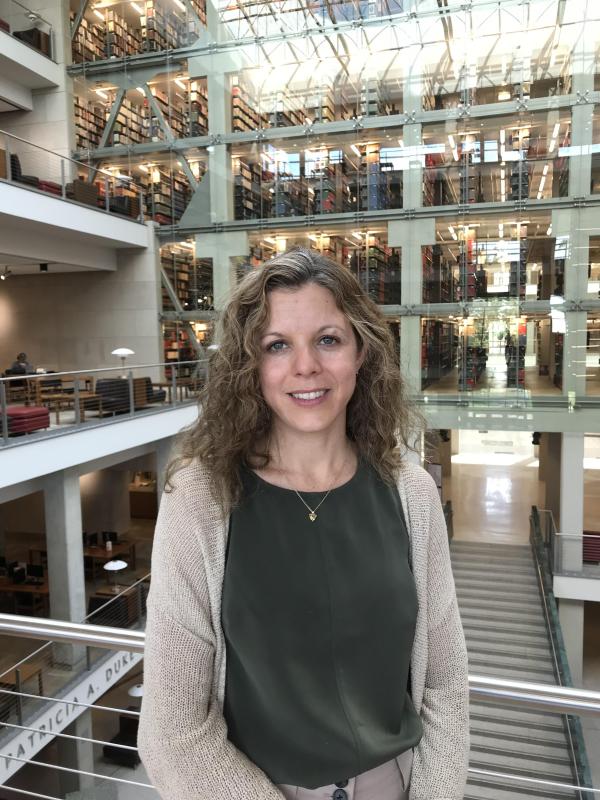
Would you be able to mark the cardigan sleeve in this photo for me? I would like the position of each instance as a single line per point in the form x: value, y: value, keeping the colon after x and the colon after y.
x: 182, y: 736
x: 443, y: 753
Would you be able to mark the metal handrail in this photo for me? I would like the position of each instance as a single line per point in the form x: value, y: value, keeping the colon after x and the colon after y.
x: 561, y: 665
x: 69, y: 373
x: 65, y: 158
x: 552, y: 698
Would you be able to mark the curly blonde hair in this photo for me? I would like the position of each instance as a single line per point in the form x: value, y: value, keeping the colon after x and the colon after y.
x: 234, y: 419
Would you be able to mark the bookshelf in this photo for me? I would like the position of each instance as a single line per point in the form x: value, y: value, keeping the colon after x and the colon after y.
x: 90, y: 119
x: 439, y: 343
x: 438, y: 278
x: 159, y: 26
x: 247, y: 192
x: 473, y: 350
x: 378, y: 269
x: 90, y: 42
x: 169, y: 193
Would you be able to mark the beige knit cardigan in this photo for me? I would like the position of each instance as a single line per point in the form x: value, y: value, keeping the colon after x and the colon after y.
x: 183, y: 735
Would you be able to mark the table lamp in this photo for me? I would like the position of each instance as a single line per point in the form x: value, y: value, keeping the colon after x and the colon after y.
x: 123, y: 352
x: 114, y: 566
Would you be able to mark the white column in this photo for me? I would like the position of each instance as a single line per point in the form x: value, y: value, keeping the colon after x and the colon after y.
x: 222, y: 248
x: 571, y: 612
x: 62, y: 503
x: 411, y: 236
x: 76, y: 755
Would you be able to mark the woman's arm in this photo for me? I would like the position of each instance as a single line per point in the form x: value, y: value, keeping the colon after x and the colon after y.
x: 182, y: 737
x: 443, y: 752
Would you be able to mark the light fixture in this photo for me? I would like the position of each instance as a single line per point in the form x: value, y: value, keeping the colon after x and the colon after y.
x: 123, y: 353
x: 136, y: 691
x: 503, y: 96
x: 99, y: 14
x: 101, y: 94
x: 355, y: 149
x: 112, y: 567
x: 140, y: 90
x: 280, y: 243
x: 5, y: 273
x: 137, y: 9
x: 181, y: 84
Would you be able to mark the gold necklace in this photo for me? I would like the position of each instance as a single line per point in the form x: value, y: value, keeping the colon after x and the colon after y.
x: 312, y: 512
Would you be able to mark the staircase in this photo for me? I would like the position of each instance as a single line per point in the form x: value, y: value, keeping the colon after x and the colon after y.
x: 506, y: 637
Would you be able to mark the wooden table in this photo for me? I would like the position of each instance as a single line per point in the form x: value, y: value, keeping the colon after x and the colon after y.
x: 183, y: 386
x: 8, y: 586
x: 56, y: 401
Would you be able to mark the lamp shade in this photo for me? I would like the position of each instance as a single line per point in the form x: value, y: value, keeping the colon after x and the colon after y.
x: 115, y: 565
x: 136, y: 691
x: 123, y: 352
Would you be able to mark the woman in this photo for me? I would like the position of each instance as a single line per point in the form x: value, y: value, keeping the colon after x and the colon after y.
x: 303, y: 637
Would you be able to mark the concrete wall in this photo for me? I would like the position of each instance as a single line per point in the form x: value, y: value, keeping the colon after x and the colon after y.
x: 50, y: 123
x: 74, y: 320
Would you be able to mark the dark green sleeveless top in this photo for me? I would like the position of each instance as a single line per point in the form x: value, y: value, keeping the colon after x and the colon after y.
x: 319, y: 620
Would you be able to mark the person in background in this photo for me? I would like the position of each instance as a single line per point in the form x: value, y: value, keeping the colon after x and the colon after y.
x: 22, y: 366
x: 303, y: 638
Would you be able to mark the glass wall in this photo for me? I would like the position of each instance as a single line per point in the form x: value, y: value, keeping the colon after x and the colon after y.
x: 449, y: 156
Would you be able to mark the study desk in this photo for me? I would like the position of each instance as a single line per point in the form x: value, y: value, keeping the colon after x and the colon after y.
x: 59, y: 400
x: 8, y: 586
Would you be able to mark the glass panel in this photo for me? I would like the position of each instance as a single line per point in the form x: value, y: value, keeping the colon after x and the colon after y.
x: 294, y: 178
x: 494, y: 351
x: 365, y: 252
x: 115, y: 30
x: 493, y: 258
x: 496, y: 160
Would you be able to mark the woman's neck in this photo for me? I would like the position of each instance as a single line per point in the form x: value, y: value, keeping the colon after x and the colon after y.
x: 310, y: 464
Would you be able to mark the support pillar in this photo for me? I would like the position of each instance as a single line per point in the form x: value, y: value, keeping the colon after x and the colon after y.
x: 62, y: 504
x: 561, y: 469
x: 77, y: 755
x: 411, y: 236
x: 223, y: 249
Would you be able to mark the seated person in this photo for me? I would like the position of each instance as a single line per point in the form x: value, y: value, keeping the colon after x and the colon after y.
x: 21, y: 365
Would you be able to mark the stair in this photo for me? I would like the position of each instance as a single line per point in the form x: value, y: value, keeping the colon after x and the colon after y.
x: 504, y: 625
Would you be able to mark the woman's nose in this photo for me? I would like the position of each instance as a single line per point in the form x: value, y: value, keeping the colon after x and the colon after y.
x: 306, y: 361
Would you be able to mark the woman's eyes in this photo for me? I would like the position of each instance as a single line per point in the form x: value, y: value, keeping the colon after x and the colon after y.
x: 278, y: 346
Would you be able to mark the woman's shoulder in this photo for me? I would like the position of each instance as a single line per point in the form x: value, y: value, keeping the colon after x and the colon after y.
x: 189, y: 482
x: 413, y: 477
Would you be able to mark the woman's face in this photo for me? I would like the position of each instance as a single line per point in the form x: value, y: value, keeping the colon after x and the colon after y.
x: 309, y: 361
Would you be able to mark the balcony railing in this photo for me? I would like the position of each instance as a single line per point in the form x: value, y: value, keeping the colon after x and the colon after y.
x: 513, y: 694
x: 38, y: 405
x: 30, y: 166
x: 574, y: 555
x: 27, y: 25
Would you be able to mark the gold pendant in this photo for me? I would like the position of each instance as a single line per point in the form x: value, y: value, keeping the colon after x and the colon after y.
x: 312, y: 516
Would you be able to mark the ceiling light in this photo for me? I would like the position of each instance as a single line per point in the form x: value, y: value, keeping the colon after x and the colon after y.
x: 180, y: 83
x: 99, y: 14
x: 503, y: 96
x: 556, y: 130
x: 179, y: 4
x: 355, y: 149
x: 5, y: 273
x: 137, y: 9
x: 101, y: 94
x: 140, y: 90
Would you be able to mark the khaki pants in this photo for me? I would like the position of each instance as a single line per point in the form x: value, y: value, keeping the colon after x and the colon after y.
x: 390, y: 781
